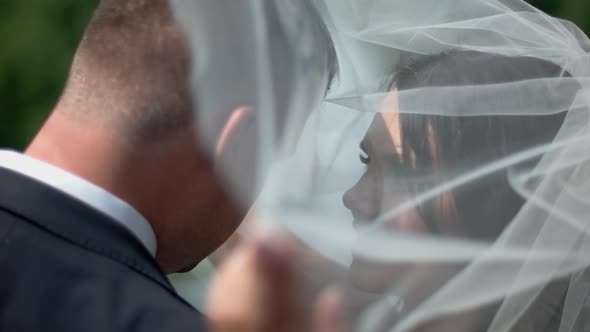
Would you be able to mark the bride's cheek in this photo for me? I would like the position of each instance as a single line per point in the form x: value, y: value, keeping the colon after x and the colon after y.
x: 410, y: 222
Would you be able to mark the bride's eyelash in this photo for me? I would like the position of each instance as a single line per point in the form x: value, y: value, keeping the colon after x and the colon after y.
x: 364, y: 157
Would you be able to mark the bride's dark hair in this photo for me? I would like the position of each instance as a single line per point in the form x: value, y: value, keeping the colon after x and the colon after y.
x: 459, y: 143
x: 448, y: 145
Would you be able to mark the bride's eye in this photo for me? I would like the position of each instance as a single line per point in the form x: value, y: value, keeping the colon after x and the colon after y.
x: 364, y: 157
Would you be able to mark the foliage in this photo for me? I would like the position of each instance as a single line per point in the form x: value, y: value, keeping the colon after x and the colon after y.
x: 39, y: 38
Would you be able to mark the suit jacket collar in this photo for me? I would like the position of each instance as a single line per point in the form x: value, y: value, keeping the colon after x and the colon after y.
x: 85, y: 191
x: 76, y: 222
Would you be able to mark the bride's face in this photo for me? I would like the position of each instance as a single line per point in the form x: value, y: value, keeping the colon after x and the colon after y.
x: 381, y: 151
x: 387, y: 183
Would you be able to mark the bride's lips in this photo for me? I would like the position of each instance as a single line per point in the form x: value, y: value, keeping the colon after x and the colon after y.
x: 360, y: 221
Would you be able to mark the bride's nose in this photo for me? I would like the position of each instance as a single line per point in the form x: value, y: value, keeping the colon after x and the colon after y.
x: 361, y: 200
x: 348, y: 198
x: 356, y: 194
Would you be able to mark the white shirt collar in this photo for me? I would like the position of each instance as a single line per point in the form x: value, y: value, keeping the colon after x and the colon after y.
x: 84, y: 191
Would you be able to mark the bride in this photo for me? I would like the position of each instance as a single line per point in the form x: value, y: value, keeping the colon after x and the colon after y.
x: 408, y: 154
x: 471, y: 212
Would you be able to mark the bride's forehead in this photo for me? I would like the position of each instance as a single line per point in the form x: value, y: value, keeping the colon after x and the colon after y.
x: 388, y: 112
x: 385, y: 133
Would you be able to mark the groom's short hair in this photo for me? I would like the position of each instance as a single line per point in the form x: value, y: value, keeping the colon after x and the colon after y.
x: 132, y: 68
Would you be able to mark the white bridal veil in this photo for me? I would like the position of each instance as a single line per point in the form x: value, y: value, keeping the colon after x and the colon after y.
x: 470, y: 190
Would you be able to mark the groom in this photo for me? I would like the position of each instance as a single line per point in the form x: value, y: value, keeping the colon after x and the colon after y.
x: 114, y: 192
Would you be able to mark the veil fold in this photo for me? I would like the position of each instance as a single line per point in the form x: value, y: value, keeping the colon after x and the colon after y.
x: 531, y: 273
x: 471, y: 198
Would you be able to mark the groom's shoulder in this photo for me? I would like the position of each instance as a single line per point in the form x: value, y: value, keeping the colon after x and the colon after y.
x: 49, y: 284
x: 90, y: 276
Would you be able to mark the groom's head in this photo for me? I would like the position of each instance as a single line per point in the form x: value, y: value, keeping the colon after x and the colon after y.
x: 125, y: 122
x: 130, y: 72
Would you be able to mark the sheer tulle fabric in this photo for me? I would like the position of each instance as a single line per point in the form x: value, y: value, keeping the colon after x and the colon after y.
x: 471, y: 198
x: 517, y: 259
x: 269, y: 57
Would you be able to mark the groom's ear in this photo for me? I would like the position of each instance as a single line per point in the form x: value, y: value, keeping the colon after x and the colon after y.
x: 239, y: 120
x: 236, y: 154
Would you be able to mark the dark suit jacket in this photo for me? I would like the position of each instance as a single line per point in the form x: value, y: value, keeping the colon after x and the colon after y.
x: 66, y: 267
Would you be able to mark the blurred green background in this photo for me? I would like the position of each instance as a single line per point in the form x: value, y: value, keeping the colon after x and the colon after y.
x: 39, y: 38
